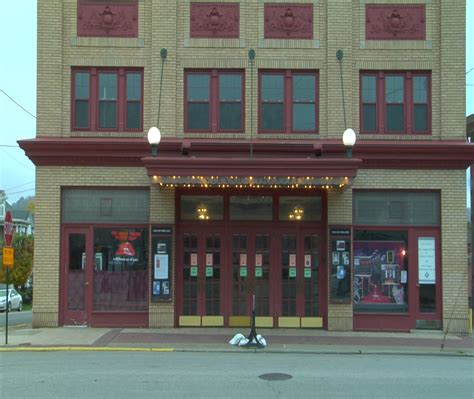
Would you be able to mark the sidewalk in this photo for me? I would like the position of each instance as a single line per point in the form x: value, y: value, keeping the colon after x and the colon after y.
x: 216, y: 340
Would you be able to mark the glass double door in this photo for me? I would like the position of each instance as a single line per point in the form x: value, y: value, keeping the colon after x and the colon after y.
x: 225, y: 269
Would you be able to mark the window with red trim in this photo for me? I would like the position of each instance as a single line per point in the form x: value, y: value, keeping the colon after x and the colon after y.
x: 214, y: 101
x: 395, y: 102
x: 107, y: 99
x: 288, y: 101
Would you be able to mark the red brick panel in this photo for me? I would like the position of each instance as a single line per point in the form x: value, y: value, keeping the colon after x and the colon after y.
x: 107, y: 19
x: 288, y: 21
x: 395, y: 22
x: 215, y: 20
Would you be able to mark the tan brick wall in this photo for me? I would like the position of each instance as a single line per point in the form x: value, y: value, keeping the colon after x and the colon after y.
x: 337, y: 25
x: 162, y: 211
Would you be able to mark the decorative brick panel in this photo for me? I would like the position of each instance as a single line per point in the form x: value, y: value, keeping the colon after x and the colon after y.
x: 215, y: 20
x: 107, y: 19
x: 288, y: 21
x: 395, y: 22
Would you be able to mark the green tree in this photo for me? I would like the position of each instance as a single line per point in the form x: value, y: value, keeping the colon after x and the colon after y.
x: 23, y: 261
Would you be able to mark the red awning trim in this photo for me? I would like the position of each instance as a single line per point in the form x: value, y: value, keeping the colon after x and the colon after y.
x: 272, y: 154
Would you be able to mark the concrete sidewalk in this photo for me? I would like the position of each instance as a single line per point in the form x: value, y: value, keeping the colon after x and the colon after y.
x: 216, y: 340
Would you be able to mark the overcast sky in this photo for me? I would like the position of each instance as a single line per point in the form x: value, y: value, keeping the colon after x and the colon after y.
x: 18, y: 80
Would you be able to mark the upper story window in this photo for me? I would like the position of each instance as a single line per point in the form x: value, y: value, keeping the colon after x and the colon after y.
x: 214, y: 101
x: 395, y: 102
x: 288, y: 102
x: 107, y: 99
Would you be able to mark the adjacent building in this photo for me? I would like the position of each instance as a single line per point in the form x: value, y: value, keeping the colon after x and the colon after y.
x: 251, y: 199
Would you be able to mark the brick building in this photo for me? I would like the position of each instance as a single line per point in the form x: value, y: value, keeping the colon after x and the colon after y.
x: 252, y: 193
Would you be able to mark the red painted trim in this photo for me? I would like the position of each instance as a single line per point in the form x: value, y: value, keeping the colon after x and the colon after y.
x: 120, y: 151
x: 94, y: 101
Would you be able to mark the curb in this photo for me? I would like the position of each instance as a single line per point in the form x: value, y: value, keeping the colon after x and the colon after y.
x: 459, y: 353
x: 81, y: 349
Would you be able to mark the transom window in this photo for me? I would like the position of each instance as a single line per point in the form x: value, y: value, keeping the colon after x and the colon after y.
x: 213, y: 101
x: 395, y: 102
x: 107, y: 99
x: 288, y: 102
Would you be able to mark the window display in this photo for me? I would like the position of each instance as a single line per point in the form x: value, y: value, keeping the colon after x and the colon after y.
x: 380, y: 271
x: 121, y: 277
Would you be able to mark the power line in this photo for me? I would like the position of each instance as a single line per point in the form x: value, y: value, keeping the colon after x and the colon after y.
x: 22, y: 191
x: 8, y: 145
x: 21, y: 185
x: 23, y: 108
x: 16, y: 160
x: 470, y: 70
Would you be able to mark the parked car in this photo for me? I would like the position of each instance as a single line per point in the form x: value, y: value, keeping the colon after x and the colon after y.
x: 15, y: 300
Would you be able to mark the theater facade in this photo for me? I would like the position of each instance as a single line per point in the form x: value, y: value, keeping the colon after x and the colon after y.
x: 250, y: 198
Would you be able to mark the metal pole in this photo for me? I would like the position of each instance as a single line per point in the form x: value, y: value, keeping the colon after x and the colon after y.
x: 6, y: 304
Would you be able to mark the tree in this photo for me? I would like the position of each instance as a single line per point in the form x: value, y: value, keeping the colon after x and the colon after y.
x: 23, y: 261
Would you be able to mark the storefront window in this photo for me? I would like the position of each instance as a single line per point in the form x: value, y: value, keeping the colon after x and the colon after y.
x: 380, y: 271
x: 120, y: 269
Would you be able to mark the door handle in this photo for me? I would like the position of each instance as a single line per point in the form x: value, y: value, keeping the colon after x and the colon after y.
x: 86, y: 283
x: 417, y: 285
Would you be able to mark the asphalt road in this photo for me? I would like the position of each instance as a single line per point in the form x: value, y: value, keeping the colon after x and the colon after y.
x: 231, y: 375
x: 15, y: 318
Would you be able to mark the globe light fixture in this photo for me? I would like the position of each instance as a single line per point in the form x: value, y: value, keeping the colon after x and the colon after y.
x: 154, y: 138
x: 349, y: 140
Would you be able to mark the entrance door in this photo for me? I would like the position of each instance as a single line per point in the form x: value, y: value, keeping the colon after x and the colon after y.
x: 201, y: 268
x: 426, y: 293
x: 251, y: 272
x: 77, y: 276
x: 301, y: 273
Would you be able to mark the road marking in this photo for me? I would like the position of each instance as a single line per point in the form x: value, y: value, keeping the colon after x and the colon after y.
x: 81, y: 349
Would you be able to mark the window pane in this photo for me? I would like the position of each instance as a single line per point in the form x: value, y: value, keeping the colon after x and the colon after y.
x: 133, y: 115
x: 134, y: 86
x: 82, y: 85
x: 272, y: 116
x: 202, y: 207
x: 369, y: 117
x: 82, y: 114
x: 420, y: 89
x: 420, y: 118
x: 427, y: 298
x: 380, y: 262
x: 304, y: 117
x: 304, y: 88
x: 198, y: 87
x: 394, y: 118
x: 230, y: 87
x: 250, y: 208
x: 272, y: 88
x: 308, y: 208
x: 107, y: 86
x: 230, y: 116
x: 394, y: 89
x: 108, y: 114
x: 198, y: 116
x: 120, y: 278
x: 368, y: 89
x: 396, y: 208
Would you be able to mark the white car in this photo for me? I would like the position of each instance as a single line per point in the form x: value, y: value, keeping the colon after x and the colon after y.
x: 15, y: 300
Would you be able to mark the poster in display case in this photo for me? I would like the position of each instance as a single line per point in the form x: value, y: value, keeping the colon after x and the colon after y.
x: 161, y: 239
x: 340, y: 250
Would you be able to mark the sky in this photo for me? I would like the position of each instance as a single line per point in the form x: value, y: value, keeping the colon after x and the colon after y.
x: 18, y: 80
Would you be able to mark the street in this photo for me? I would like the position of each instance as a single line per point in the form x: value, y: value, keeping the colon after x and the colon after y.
x: 16, y: 319
x: 232, y: 375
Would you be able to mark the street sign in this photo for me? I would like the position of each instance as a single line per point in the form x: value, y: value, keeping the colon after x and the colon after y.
x: 8, y: 254
x: 8, y: 229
